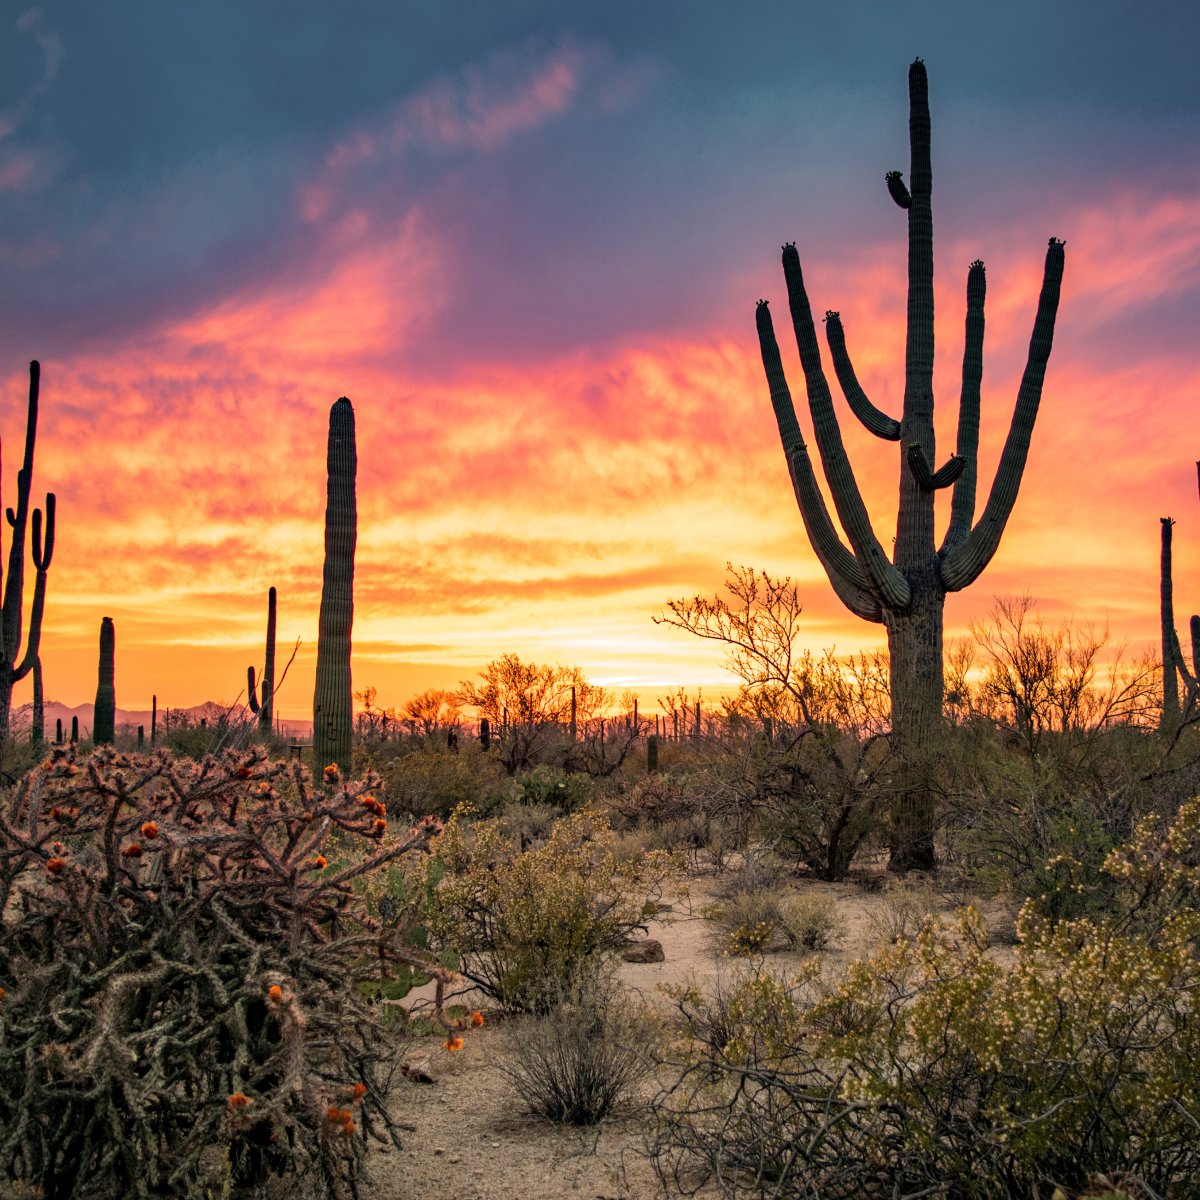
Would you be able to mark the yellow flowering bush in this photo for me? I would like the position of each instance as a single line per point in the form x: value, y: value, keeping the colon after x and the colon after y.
x: 933, y: 1063
x: 523, y: 922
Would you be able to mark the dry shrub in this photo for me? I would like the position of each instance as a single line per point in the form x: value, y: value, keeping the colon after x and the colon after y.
x: 524, y: 923
x: 901, y: 914
x: 748, y: 923
x: 576, y: 1062
x: 181, y: 957
x: 811, y: 921
x: 931, y: 1068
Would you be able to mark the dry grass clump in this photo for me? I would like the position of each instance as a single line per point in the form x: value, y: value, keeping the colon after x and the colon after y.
x: 811, y: 921
x: 578, y: 1061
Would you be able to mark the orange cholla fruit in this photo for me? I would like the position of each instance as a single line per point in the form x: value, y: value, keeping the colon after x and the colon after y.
x: 55, y: 865
x: 379, y: 828
x: 333, y: 1114
x: 133, y: 850
x: 320, y: 862
x: 239, y: 1100
x: 275, y: 992
x: 358, y: 1091
x: 243, y: 772
x: 331, y: 773
x: 453, y: 1043
x: 150, y: 830
x: 348, y: 1128
x: 477, y: 1018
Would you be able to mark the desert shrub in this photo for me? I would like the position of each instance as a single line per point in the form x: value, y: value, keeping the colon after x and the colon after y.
x: 900, y: 914
x: 527, y: 823
x: 525, y: 922
x: 428, y: 780
x: 577, y: 1061
x: 810, y: 921
x: 180, y: 965
x: 747, y: 923
x: 546, y: 784
x: 930, y: 1067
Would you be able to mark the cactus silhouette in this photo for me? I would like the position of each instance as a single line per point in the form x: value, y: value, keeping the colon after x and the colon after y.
x: 266, y: 706
x: 104, y: 715
x: 907, y: 594
x: 332, y: 721
x: 13, y: 665
x: 1175, y: 666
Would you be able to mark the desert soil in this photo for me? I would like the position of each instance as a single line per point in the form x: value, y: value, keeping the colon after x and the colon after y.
x: 466, y: 1135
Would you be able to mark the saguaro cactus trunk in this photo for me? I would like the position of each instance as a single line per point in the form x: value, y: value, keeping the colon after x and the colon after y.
x: 104, y: 715
x: 265, y: 706
x: 332, y: 719
x: 907, y: 594
x: 14, y: 665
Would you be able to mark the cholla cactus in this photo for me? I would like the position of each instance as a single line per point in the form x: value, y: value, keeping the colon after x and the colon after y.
x: 182, y: 969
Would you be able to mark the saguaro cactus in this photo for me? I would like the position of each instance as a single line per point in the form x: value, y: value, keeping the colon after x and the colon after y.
x: 907, y: 594
x: 332, y: 720
x: 104, y: 715
x: 266, y: 706
x: 13, y: 665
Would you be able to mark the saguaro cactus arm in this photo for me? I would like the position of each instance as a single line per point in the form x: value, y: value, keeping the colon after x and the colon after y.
x: 963, y: 565
x: 927, y: 478
x: 886, y: 581
x: 962, y: 504
x: 875, y: 421
x: 839, y: 564
x: 42, y: 554
x: 14, y: 585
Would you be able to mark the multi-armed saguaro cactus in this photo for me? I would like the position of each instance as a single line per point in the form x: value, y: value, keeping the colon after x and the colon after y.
x: 332, y: 720
x: 266, y: 706
x: 104, y: 715
x: 14, y: 666
x: 907, y: 594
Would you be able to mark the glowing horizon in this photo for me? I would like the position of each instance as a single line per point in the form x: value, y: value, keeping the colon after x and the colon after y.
x: 533, y: 271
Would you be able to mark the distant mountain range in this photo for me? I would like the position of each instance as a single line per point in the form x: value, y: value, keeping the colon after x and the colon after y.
x: 134, y: 717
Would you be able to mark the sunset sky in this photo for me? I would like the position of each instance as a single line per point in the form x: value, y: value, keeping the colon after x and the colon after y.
x: 526, y: 239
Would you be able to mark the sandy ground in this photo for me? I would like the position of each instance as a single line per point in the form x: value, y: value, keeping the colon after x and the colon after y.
x: 466, y: 1135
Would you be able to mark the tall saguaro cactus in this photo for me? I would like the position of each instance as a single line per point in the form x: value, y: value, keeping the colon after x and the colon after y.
x: 14, y: 666
x: 907, y: 594
x: 104, y: 715
x: 265, y: 706
x: 332, y: 698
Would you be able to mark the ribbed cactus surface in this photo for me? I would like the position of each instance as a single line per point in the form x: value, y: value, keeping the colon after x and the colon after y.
x: 332, y: 717
x: 906, y: 590
x: 104, y: 715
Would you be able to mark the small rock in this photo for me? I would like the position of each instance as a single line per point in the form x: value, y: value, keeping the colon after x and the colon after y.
x: 648, y: 950
x: 418, y: 1072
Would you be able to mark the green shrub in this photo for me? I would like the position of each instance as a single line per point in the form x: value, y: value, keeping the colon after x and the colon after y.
x: 181, y: 959
x: 427, y: 780
x: 547, y: 784
x: 932, y: 1066
x: 524, y: 923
